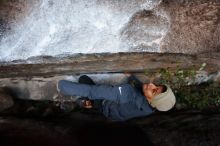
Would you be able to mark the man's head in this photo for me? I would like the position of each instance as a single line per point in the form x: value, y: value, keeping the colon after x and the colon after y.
x: 161, y: 97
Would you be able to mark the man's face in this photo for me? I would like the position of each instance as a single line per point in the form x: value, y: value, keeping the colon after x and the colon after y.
x: 150, y: 90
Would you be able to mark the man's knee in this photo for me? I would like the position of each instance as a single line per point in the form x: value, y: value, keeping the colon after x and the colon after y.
x: 86, y: 80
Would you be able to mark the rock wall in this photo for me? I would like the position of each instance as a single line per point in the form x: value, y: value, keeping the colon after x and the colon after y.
x: 194, y: 26
x: 6, y: 101
x: 189, y: 128
x: 35, y: 28
x: 177, y: 26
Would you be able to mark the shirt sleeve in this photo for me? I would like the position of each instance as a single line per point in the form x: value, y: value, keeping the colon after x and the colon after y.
x: 126, y: 111
x: 135, y: 83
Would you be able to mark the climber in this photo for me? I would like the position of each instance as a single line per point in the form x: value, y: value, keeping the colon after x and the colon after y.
x: 120, y: 102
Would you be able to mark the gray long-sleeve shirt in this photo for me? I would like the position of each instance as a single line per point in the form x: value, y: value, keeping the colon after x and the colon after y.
x: 121, y: 102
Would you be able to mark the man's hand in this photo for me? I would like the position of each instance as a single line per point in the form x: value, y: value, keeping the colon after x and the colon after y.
x: 87, y: 104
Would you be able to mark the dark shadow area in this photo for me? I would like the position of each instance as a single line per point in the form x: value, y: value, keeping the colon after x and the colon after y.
x: 195, y: 122
x: 44, y: 123
x: 112, y: 134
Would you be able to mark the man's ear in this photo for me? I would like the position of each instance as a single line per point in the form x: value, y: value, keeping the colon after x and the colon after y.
x: 154, y: 91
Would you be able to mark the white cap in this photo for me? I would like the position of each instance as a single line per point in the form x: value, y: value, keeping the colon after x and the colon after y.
x: 164, y: 101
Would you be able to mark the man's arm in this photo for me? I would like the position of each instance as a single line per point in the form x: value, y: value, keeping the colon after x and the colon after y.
x: 135, y: 82
x: 126, y: 111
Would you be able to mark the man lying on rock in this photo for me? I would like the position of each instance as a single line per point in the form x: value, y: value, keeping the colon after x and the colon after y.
x: 120, y: 102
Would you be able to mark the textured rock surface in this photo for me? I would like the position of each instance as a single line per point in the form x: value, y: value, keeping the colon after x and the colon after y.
x: 113, y: 63
x: 168, y: 26
x: 6, y: 100
x: 34, y: 28
x: 191, y: 128
x: 194, y: 26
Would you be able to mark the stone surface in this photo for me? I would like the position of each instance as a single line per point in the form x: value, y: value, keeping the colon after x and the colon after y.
x: 6, y: 100
x: 108, y: 63
x: 32, y: 28
x: 191, y: 128
x: 194, y: 26
x: 189, y: 27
